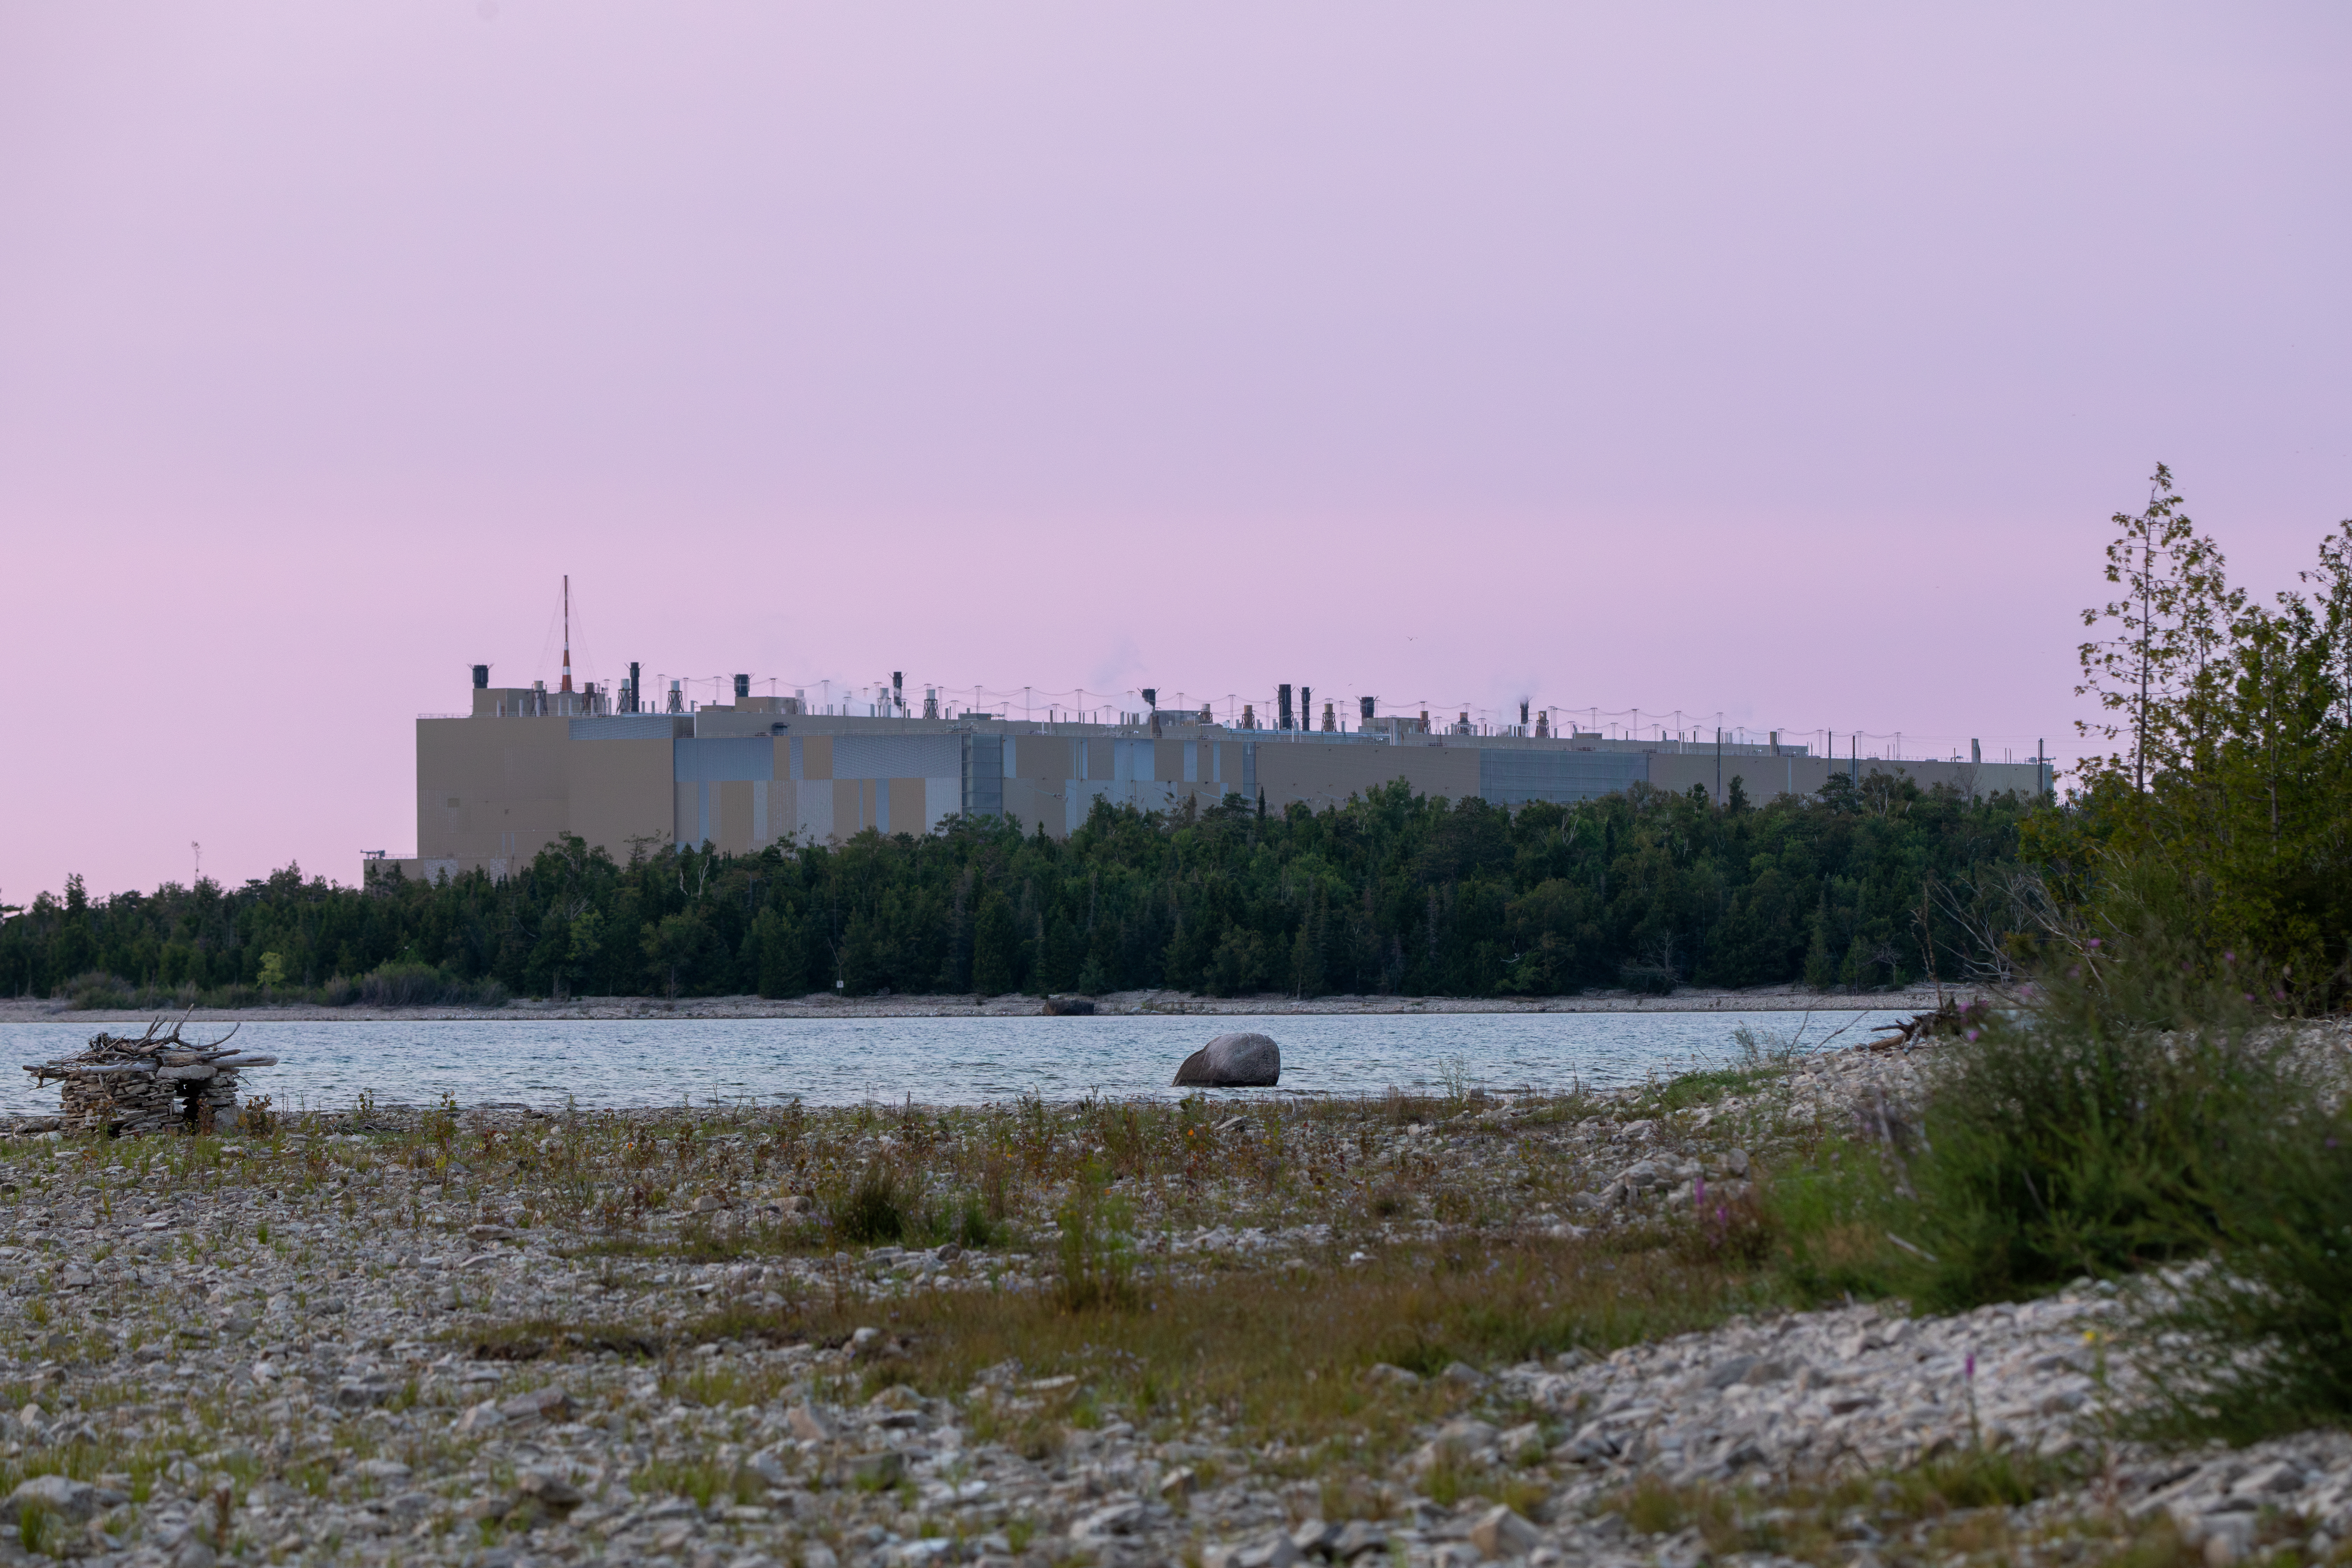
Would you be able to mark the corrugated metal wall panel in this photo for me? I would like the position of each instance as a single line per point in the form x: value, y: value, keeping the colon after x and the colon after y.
x: 1515, y: 778
x: 736, y: 759
x: 895, y: 756
x: 983, y: 775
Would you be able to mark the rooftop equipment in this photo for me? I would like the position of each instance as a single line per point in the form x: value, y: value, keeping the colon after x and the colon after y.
x: 742, y: 690
x: 481, y: 677
x: 1282, y: 706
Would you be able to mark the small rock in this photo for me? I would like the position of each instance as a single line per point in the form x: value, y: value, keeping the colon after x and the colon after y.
x: 1728, y: 1371
x: 539, y: 1405
x: 1111, y: 1518
x: 60, y: 1495
x: 1499, y: 1532
x: 1272, y: 1550
x: 483, y: 1417
x: 1381, y: 1372
x: 1356, y: 1537
x: 1314, y: 1537
x: 1179, y: 1483
x: 808, y: 1426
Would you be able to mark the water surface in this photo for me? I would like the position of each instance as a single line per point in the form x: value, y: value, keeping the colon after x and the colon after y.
x: 835, y: 1061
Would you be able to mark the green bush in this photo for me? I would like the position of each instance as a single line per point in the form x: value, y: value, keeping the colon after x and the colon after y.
x: 2261, y: 1342
x: 872, y: 1209
x: 2081, y: 1134
x: 1097, y: 1246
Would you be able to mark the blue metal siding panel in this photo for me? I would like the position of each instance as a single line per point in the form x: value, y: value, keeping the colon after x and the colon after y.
x: 744, y: 759
x: 983, y: 777
x: 1515, y: 778
x: 896, y: 756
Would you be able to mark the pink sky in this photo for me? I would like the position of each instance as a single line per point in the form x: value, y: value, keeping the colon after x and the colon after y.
x: 1779, y: 362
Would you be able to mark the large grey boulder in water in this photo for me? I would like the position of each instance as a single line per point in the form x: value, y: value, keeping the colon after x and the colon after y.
x: 1233, y: 1061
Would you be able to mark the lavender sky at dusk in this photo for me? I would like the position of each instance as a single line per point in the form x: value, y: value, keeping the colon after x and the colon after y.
x: 1779, y: 364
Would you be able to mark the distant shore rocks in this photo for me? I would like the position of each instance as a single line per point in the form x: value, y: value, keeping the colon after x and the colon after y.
x: 1233, y: 1061
x: 1069, y: 1008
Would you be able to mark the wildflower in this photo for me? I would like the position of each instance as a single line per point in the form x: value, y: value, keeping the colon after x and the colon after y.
x: 2095, y: 942
x: 1969, y: 1369
x: 1972, y: 1034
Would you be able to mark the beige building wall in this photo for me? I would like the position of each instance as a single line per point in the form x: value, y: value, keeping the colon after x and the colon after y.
x: 488, y: 792
x: 620, y: 791
x: 492, y: 792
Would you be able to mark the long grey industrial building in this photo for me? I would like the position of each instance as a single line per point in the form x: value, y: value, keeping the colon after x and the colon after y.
x: 527, y: 765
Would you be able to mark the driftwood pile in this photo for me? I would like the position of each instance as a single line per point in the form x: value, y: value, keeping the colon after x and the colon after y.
x: 1950, y: 1017
x: 156, y: 1082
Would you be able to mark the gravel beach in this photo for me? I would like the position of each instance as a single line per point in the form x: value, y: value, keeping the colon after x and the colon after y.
x: 493, y: 1337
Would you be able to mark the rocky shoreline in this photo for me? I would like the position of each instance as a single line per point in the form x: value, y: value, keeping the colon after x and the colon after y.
x: 385, y: 1337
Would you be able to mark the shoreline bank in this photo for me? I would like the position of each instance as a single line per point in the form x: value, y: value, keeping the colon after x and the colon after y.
x: 1124, y: 1004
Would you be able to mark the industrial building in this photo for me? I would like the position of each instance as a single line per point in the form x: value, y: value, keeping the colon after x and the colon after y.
x: 527, y: 765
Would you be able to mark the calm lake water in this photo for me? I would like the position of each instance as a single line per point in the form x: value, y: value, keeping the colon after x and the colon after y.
x: 833, y: 1061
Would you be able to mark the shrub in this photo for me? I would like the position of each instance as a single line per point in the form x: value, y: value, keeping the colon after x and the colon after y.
x: 874, y: 1207
x: 1097, y: 1246
x: 100, y: 989
x: 2078, y: 1135
x: 392, y: 983
x: 2261, y: 1342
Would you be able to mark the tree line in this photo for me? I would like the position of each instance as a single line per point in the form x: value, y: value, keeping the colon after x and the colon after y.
x: 1869, y: 884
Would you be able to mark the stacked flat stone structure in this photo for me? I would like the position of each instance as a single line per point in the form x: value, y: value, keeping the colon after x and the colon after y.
x: 123, y: 1085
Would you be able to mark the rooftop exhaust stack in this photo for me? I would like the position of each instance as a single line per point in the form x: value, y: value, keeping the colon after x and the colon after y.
x: 567, y: 631
x: 636, y: 686
x: 1305, y: 708
x: 1364, y: 706
x: 677, y: 698
x: 898, y: 692
x: 1523, y: 715
x: 742, y: 690
x: 1281, y: 707
x: 1151, y: 697
x: 481, y: 677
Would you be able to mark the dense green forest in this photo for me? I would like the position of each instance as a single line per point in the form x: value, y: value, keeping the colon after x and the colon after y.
x: 1865, y: 887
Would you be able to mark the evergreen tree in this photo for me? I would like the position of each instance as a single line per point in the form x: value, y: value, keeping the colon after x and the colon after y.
x: 996, y: 948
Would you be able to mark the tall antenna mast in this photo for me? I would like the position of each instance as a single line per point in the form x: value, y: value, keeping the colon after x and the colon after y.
x: 567, y: 631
